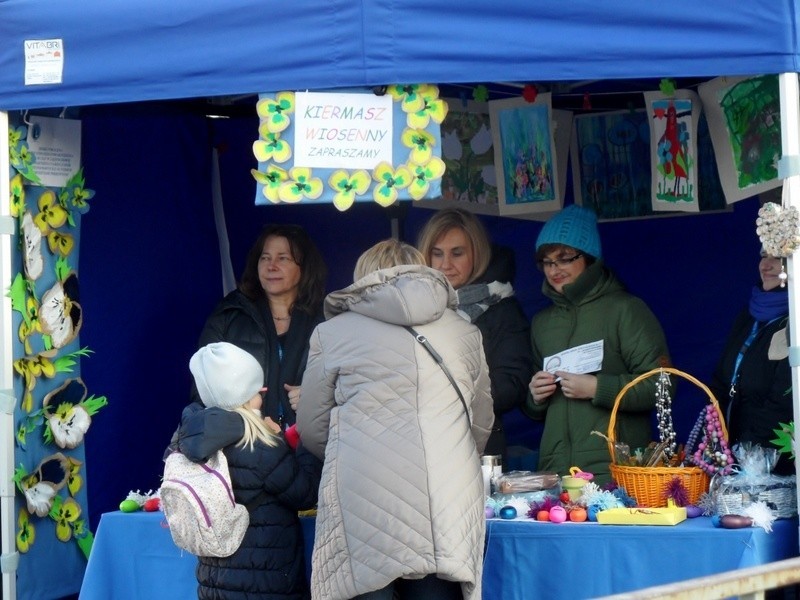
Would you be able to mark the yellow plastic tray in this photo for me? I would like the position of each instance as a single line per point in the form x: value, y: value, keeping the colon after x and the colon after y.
x: 670, y: 515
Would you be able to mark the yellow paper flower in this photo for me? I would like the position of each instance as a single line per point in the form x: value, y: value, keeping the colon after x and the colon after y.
x: 272, y: 147
x: 301, y: 185
x: 75, y: 481
x: 433, y: 108
x: 29, y: 325
x: 60, y: 243
x: 17, y: 196
x: 271, y: 180
x: 348, y: 187
x: 421, y: 143
x: 274, y: 113
x: 51, y: 213
x: 68, y: 513
x: 410, y: 95
x: 388, y: 182
x: 26, y: 533
x: 422, y: 175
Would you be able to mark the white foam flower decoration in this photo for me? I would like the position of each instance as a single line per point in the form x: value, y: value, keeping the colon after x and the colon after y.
x: 520, y: 505
x: 40, y: 498
x: 32, y: 247
x: 761, y: 514
x: 69, y: 424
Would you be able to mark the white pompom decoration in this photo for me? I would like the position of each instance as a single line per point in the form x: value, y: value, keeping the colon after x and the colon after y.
x: 777, y: 228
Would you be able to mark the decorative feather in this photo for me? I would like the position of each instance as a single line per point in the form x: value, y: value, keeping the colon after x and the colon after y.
x: 761, y: 514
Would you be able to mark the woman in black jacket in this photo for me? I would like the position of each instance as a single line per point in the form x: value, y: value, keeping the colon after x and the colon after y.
x: 455, y: 242
x: 752, y: 381
x: 272, y: 313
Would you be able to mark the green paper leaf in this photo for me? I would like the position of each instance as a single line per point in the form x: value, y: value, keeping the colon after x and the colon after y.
x: 20, y: 473
x: 64, y: 364
x: 92, y: 404
x: 17, y: 293
x: 85, y: 543
x: 785, y: 438
x: 62, y: 268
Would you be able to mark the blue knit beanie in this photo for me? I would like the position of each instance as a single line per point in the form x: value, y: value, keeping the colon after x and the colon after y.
x: 574, y: 226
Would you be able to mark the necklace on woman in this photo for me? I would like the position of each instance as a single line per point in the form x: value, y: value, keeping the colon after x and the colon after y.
x: 286, y: 318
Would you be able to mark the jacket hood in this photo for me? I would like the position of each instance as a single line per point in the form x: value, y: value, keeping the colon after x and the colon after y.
x: 402, y: 295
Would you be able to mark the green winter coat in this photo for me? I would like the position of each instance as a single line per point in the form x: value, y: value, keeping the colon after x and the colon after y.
x: 594, y: 307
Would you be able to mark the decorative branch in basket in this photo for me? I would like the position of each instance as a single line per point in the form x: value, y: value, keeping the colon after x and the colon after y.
x: 650, y: 484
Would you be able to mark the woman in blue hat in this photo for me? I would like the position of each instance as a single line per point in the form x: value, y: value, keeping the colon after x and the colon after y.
x: 589, y: 305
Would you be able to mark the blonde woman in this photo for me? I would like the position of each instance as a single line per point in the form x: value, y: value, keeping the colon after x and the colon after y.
x: 266, y: 475
x: 401, y: 499
x: 455, y: 242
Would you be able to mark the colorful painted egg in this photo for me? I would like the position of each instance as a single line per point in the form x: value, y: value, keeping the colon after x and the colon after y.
x: 129, y: 506
x: 558, y: 514
x: 693, y: 511
x: 508, y: 512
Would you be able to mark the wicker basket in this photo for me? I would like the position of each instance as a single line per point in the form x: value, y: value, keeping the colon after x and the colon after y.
x: 648, y: 484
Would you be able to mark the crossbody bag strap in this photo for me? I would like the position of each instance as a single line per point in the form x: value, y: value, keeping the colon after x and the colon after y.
x: 427, y: 345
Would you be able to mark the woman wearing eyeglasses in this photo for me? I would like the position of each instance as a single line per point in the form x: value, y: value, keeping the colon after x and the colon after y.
x: 589, y: 305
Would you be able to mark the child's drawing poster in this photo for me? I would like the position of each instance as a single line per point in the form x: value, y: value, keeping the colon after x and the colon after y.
x: 673, y: 150
x: 610, y: 163
x: 744, y: 120
x: 525, y: 155
x: 470, y: 180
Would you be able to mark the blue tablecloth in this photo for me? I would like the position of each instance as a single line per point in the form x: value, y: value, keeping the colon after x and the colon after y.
x: 526, y: 559
x: 133, y: 557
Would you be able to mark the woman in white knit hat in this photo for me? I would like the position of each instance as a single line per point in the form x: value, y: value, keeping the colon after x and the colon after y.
x: 266, y: 475
x: 589, y: 304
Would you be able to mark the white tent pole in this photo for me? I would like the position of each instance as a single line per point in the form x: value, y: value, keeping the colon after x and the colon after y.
x: 9, y: 557
x: 790, y: 151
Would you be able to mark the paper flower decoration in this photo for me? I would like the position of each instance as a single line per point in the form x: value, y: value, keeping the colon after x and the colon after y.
x: 67, y: 419
x: 389, y: 181
x: 41, y: 487
x: 300, y: 185
x: 421, y: 143
x: 26, y: 532
x: 31, y: 248
x: 272, y: 147
x: 60, y: 313
x: 422, y: 175
x: 271, y: 181
x: 348, y: 187
x: 274, y: 113
x: 433, y: 108
x: 68, y: 514
x: 51, y: 214
x: 17, y: 195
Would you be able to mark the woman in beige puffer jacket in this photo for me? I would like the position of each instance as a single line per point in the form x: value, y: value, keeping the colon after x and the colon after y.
x: 401, y: 496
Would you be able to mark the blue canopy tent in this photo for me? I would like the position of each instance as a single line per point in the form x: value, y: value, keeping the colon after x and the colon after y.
x: 119, y: 53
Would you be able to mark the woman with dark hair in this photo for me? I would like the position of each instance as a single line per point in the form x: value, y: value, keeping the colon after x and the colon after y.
x: 273, y: 312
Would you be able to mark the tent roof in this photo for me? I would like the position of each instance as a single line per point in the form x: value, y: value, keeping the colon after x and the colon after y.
x: 138, y: 50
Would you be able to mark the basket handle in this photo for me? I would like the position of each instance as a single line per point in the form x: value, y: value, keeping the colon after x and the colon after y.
x: 612, y: 422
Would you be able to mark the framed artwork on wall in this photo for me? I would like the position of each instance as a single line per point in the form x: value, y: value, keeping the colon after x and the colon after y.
x: 744, y: 121
x: 673, y: 150
x: 525, y: 156
x: 469, y: 180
